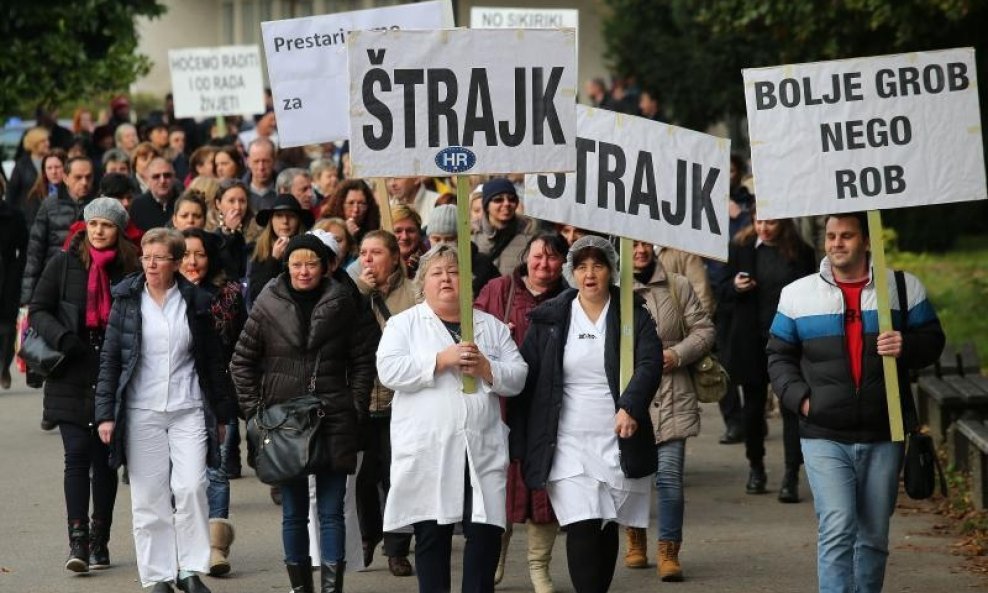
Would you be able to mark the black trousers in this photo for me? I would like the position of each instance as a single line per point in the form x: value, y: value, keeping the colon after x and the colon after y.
x: 434, y: 546
x: 84, y: 452
x: 731, y: 409
x: 790, y: 438
x: 373, y: 484
x: 591, y: 553
x: 8, y: 334
x: 755, y: 426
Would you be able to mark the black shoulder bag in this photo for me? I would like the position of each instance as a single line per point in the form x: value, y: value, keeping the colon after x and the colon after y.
x: 288, y: 437
x: 39, y: 355
x: 922, y: 466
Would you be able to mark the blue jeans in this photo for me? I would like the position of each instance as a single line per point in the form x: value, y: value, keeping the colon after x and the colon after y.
x: 854, y: 489
x: 330, y: 488
x: 218, y: 490
x: 669, y: 482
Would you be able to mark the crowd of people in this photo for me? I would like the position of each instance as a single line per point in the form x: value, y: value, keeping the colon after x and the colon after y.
x: 194, y: 272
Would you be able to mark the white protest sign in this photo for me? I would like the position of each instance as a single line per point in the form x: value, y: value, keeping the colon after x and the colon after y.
x: 865, y: 133
x: 307, y: 65
x: 482, y: 17
x: 641, y: 179
x: 211, y: 81
x: 462, y: 101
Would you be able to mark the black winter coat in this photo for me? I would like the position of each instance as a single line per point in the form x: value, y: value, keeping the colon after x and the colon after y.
x: 262, y: 272
x: 22, y: 178
x: 148, y: 213
x: 533, y: 416
x: 13, y: 256
x: 273, y: 362
x: 48, y: 234
x: 743, y: 318
x: 122, y: 351
x: 58, y: 314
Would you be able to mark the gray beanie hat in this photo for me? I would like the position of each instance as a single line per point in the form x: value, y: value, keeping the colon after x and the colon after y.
x: 442, y: 220
x: 599, y: 243
x: 108, y: 209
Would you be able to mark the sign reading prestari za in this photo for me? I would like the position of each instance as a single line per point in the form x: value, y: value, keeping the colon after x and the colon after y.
x: 307, y: 66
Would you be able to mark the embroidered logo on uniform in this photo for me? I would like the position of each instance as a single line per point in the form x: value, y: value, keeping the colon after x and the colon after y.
x: 586, y: 337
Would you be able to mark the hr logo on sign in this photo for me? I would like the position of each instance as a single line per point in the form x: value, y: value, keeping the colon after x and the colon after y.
x: 456, y: 159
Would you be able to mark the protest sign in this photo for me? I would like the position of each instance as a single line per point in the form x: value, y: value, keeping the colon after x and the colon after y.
x: 306, y: 59
x: 212, y: 81
x: 462, y: 101
x: 641, y: 179
x: 482, y: 17
x: 865, y: 133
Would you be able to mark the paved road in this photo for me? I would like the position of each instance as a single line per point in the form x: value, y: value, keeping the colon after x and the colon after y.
x: 734, y: 543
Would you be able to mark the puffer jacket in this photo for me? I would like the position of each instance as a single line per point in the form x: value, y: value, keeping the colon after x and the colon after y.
x: 48, y: 233
x: 121, y: 354
x: 807, y: 356
x: 273, y: 362
x: 533, y: 416
x: 675, y: 411
x: 402, y: 295
x: 70, y: 390
x: 486, y: 237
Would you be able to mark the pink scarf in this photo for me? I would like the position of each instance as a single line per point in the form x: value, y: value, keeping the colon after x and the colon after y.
x: 98, y: 288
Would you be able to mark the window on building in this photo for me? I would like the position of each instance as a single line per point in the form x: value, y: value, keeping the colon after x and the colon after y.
x: 248, y: 21
x: 227, y: 23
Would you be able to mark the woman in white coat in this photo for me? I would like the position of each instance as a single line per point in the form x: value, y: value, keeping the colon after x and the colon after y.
x: 449, y: 449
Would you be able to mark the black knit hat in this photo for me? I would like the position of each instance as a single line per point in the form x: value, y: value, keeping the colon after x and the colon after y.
x: 495, y: 187
x: 312, y: 243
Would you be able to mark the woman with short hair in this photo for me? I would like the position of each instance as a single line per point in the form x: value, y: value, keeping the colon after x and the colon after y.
x: 305, y: 330
x: 449, y: 448
x: 162, y: 402
x: 284, y: 220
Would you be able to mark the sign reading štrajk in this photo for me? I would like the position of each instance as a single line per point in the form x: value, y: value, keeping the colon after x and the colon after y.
x: 306, y: 60
x: 640, y: 179
x: 211, y: 81
x: 865, y: 133
x: 462, y: 101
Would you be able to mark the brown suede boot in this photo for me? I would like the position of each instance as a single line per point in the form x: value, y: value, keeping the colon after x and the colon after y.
x: 668, y: 557
x: 636, y: 554
x: 220, y: 538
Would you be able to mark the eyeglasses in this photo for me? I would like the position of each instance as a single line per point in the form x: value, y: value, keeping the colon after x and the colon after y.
x: 156, y: 259
x: 501, y: 199
x: 157, y: 176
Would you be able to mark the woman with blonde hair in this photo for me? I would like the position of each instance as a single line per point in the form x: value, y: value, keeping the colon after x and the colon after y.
x: 349, y: 247
x: 284, y: 220
x: 36, y: 145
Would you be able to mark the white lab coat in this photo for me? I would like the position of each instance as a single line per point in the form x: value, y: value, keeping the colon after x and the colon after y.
x: 436, y: 428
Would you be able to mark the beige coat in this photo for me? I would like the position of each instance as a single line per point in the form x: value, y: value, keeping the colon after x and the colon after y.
x: 510, y: 257
x: 675, y: 411
x: 402, y: 295
x: 691, y: 266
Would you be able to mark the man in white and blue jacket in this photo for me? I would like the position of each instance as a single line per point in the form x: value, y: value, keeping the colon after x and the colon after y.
x: 825, y: 363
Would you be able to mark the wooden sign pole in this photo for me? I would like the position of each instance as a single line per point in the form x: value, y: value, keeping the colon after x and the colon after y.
x: 627, y: 312
x: 880, y: 277
x: 463, y: 252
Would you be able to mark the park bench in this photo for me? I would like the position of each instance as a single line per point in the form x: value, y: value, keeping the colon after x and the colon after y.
x: 952, y: 387
x: 969, y: 453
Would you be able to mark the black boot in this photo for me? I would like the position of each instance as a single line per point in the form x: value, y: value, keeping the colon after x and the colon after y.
x: 789, y: 490
x: 300, y: 576
x: 192, y: 584
x: 332, y: 577
x: 78, y: 546
x: 756, y: 479
x: 99, y: 537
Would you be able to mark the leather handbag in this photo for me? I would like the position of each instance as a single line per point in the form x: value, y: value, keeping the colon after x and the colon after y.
x: 289, y: 437
x: 709, y: 377
x: 39, y: 356
x: 922, y: 467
